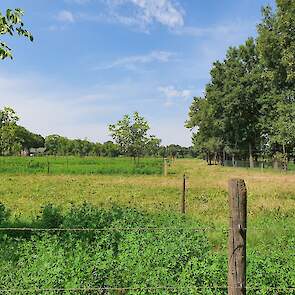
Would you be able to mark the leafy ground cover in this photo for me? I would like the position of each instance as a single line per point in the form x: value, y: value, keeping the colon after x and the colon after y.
x: 144, y: 253
x: 79, y: 165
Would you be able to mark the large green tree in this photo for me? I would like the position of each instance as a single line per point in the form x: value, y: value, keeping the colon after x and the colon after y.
x: 131, y: 134
x: 249, y: 102
x: 276, y: 45
x: 15, y: 138
x: 227, y: 117
x: 9, y: 141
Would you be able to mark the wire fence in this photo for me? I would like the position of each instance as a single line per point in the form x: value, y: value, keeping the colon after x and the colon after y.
x: 289, y: 289
x: 195, y: 229
x: 157, y: 288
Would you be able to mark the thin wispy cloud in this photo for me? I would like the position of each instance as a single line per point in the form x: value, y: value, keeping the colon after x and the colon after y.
x: 78, y: 1
x: 132, y: 62
x: 143, y: 14
x: 221, y: 30
x: 65, y: 16
x: 139, y: 14
x: 84, y: 113
x: 75, y: 112
x: 172, y: 94
x: 146, y: 12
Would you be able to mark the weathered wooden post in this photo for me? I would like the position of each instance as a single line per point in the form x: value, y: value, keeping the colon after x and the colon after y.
x: 262, y: 166
x: 183, y: 197
x: 48, y: 167
x: 237, y: 237
x: 165, y: 167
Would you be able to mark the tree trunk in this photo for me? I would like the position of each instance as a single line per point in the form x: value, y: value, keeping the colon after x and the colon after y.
x: 223, y: 157
x: 233, y: 160
x: 276, y: 164
x: 285, y: 160
x: 251, y: 160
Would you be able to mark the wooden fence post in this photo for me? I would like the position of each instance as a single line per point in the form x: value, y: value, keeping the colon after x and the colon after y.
x: 237, y: 237
x: 165, y: 167
x: 183, y: 197
x: 48, y: 167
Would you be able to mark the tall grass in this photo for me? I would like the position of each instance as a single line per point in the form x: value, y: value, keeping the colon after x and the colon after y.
x: 79, y: 165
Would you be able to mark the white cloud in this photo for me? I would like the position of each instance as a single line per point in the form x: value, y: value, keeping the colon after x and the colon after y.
x: 140, y: 14
x: 171, y: 93
x: 231, y: 29
x: 74, y: 113
x: 65, y: 110
x: 57, y: 110
x: 172, y: 130
x: 66, y: 16
x: 78, y: 1
x: 130, y: 62
x: 147, y: 12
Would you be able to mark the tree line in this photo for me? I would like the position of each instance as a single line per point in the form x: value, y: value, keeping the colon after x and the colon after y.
x: 130, y: 137
x: 248, y: 110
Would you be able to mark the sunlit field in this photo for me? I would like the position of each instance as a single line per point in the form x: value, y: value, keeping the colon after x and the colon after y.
x: 79, y: 165
x: 268, y: 192
x: 196, y: 244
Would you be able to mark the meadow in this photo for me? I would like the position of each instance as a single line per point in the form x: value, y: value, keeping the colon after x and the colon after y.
x: 79, y: 165
x: 141, y: 242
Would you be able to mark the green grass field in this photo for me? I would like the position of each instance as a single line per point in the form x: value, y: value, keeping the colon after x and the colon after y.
x: 136, y: 255
x: 79, y: 165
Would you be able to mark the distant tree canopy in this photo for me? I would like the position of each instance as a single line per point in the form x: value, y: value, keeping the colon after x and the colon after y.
x: 248, y: 109
x: 10, y: 24
x: 16, y: 140
x: 62, y: 146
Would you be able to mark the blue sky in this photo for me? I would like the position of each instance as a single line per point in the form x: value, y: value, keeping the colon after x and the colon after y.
x: 93, y: 61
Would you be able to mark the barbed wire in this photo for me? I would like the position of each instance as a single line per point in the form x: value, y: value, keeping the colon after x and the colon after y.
x: 110, y: 229
x: 267, y: 288
x: 102, y: 229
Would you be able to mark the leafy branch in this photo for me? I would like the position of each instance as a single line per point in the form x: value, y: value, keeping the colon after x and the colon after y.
x: 10, y: 24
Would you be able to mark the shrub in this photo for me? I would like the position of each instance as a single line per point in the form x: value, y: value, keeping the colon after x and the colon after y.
x: 4, y: 214
x: 51, y: 217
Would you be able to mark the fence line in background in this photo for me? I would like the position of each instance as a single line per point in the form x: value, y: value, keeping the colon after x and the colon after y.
x: 165, y: 169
